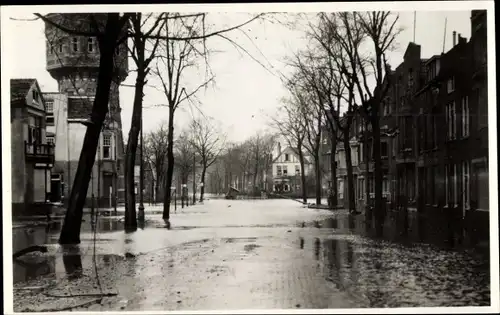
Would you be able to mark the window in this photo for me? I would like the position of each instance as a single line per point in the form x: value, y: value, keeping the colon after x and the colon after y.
x: 385, y: 186
x: 466, y: 184
x: 34, y: 94
x: 35, y: 131
x: 434, y: 141
x: 60, y: 47
x: 465, y: 117
x: 287, y: 188
x: 297, y: 170
x: 455, y: 184
x: 383, y: 149
x: 451, y: 121
x: 90, y: 44
x: 451, y: 85
x: 340, y: 188
x: 285, y: 170
x: 446, y: 185
x: 410, y: 78
x: 106, y: 146
x: 74, y: 44
x: 287, y: 157
x: 50, y: 140
x: 49, y: 120
x: 278, y: 170
x: 49, y: 106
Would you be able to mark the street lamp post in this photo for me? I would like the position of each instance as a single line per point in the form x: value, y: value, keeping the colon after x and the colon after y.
x: 141, y: 175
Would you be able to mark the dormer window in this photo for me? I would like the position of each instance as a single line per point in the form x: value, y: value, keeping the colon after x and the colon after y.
x: 34, y: 94
x: 74, y: 44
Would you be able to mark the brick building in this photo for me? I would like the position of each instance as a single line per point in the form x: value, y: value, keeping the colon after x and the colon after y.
x: 74, y: 62
x: 434, y: 133
x: 32, y: 157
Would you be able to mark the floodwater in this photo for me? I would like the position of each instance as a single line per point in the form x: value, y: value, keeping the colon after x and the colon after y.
x: 259, y: 240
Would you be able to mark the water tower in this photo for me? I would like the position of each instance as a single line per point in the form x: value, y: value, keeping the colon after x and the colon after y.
x: 73, y: 60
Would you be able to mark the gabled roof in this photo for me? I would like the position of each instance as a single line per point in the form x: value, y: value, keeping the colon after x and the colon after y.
x: 20, y: 88
x: 294, y: 151
x: 411, y: 45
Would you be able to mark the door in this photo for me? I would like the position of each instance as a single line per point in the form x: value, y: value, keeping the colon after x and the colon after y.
x: 107, y: 193
x: 55, y: 189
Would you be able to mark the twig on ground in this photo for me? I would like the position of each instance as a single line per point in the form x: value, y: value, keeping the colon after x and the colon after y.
x: 81, y: 295
x: 94, y: 301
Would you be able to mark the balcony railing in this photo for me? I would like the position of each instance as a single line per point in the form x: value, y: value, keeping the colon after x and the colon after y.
x: 39, y: 153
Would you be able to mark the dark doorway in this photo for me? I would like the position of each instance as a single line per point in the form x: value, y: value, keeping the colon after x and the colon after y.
x: 55, y: 188
x: 108, y: 190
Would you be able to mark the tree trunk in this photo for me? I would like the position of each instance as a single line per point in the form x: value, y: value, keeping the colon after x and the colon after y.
x: 333, y: 168
x: 350, y: 177
x: 379, y: 204
x: 70, y: 232
x: 203, y: 173
x: 318, y: 179
x: 132, y: 144
x: 302, y: 174
x: 170, y: 166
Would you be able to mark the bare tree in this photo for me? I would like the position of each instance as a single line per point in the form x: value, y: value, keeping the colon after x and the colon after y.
x: 156, y: 153
x: 208, y: 143
x: 311, y: 109
x: 184, y: 153
x: 138, y: 53
x: 291, y: 126
x: 381, y: 32
x: 334, y: 77
x: 109, y: 34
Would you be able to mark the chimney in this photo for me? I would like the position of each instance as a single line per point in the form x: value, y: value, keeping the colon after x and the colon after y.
x: 454, y: 38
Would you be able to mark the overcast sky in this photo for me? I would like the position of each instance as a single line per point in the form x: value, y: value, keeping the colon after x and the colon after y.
x: 244, y: 89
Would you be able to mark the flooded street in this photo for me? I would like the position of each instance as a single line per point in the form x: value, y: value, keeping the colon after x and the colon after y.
x: 244, y: 254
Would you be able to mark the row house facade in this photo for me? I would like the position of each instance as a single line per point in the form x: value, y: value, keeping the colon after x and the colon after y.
x: 32, y: 156
x: 434, y: 132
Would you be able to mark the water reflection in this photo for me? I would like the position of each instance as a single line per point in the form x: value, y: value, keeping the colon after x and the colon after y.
x: 317, y: 247
x: 24, y: 270
x: 377, y: 273
x: 301, y: 242
x: 72, y: 260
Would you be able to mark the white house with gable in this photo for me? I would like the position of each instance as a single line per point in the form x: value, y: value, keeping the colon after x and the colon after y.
x: 286, y: 168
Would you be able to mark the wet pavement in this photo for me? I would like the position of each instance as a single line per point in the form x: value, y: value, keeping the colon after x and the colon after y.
x: 249, y: 254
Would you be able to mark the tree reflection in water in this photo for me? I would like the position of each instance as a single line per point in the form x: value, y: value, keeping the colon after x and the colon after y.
x: 72, y: 260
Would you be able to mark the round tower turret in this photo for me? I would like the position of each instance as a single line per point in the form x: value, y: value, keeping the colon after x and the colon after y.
x: 73, y: 59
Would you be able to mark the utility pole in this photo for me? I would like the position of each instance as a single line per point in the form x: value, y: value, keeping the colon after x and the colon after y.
x: 141, y: 174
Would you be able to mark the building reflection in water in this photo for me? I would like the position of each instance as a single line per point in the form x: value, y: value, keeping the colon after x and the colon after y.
x: 25, y: 270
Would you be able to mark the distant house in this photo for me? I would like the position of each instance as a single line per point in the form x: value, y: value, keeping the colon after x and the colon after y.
x: 286, y: 169
x: 32, y: 157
